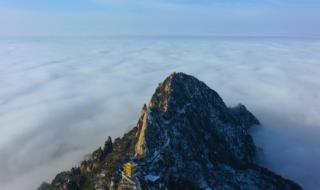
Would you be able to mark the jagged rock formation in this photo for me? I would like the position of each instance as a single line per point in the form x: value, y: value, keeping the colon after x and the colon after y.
x: 186, y: 138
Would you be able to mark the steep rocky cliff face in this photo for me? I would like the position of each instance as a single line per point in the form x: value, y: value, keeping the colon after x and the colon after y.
x: 186, y: 138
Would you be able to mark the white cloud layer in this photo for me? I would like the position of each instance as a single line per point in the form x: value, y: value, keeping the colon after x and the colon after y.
x: 61, y: 98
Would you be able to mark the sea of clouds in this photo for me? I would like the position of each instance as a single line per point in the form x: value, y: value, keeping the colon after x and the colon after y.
x: 61, y: 97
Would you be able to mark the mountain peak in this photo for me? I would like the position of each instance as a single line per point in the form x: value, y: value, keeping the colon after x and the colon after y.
x: 183, y: 98
x: 180, y: 89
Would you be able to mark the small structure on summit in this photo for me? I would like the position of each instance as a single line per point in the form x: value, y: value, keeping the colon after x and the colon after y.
x: 130, y: 168
x: 130, y: 177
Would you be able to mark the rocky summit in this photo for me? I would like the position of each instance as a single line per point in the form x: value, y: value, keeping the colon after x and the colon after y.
x: 185, y: 138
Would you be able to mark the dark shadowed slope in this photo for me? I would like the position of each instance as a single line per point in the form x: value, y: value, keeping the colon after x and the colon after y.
x: 186, y: 138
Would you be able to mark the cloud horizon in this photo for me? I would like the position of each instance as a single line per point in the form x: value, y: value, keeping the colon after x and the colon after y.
x: 59, y: 93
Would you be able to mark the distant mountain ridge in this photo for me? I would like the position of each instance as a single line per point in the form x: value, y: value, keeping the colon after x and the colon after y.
x: 186, y: 138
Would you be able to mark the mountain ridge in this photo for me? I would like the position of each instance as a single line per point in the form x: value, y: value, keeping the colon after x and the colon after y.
x: 185, y: 138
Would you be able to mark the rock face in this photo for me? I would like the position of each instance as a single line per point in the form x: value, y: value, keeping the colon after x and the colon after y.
x: 186, y: 138
x: 140, y: 148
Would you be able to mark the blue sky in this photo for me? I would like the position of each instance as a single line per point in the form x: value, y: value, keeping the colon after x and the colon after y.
x: 160, y: 17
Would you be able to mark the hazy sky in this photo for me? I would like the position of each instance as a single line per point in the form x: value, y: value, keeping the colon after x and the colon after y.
x: 160, y: 17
